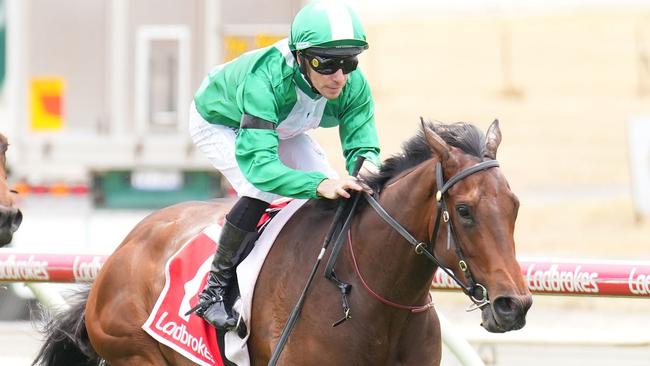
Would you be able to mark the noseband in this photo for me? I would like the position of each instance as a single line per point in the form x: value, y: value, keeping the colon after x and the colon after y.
x: 476, y: 291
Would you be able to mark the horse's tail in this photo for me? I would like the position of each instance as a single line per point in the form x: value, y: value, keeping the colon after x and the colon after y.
x: 67, y: 342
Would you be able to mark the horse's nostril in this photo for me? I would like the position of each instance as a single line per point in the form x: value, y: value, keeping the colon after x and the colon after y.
x: 17, y: 219
x: 6, y: 216
x: 505, y: 305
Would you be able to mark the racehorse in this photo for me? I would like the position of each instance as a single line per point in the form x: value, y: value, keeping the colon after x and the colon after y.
x: 392, y: 321
x: 10, y: 216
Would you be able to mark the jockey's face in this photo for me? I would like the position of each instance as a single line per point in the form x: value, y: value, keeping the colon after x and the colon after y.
x: 329, y: 86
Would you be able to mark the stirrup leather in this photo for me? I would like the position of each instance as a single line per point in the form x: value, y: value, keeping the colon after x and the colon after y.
x: 204, y: 304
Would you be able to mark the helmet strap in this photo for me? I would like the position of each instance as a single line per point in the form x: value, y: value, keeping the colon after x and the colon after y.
x: 302, y: 66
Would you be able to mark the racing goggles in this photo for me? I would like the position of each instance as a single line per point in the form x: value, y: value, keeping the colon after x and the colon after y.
x: 330, y: 65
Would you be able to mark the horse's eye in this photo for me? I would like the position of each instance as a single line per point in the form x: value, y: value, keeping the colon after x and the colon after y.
x: 464, y: 212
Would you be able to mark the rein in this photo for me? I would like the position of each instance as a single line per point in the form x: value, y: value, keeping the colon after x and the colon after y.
x: 476, y: 291
x: 411, y: 308
x: 420, y: 248
x: 293, y: 317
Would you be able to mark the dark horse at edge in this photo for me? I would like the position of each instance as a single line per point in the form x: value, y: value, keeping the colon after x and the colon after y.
x: 106, y: 322
x: 10, y: 216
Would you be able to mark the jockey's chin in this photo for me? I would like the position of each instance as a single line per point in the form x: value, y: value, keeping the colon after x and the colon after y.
x: 331, y: 92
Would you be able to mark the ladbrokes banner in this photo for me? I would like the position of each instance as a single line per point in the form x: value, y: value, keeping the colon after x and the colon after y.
x: 185, y: 276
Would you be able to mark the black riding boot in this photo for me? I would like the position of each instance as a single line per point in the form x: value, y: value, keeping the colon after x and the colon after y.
x: 214, y: 310
x: 240, y: 222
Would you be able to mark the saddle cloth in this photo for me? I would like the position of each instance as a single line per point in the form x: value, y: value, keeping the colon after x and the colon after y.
x: 186, y: 274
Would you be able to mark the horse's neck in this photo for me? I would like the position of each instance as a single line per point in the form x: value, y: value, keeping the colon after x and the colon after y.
x: 384, y: 251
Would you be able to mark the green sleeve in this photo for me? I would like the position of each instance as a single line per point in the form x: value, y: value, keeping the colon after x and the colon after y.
x: 256, y: 150
x: 257, y: 156
x: 357, y: 128
x: 255, y: 97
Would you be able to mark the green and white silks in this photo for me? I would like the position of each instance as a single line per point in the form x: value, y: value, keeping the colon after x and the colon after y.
x: 267, y: 84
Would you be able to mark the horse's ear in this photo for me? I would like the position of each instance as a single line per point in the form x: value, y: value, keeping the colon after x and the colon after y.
x: 436, y: 143
x: 492, y: 140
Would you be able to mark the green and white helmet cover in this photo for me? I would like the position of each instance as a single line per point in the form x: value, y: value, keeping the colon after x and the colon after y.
x: 326, y: 24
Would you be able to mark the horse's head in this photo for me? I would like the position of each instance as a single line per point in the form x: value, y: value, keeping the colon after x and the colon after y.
x: 10, y: 216
x: 482, y: 210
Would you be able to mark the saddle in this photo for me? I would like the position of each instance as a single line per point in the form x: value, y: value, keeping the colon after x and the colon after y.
x: 186, y: 273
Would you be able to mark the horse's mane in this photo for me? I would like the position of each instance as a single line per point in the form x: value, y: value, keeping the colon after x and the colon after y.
x: 416, y: 150
x: 462, y: 135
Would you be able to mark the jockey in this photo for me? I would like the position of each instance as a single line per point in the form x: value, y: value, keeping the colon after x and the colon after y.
x: 250, y: 115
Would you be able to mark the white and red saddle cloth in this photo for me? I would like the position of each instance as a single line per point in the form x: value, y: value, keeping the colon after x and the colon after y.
x: 185, y: 275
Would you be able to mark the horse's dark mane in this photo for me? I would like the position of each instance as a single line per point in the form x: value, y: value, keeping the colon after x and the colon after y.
x: 462, y: 135
x: 416, y: 150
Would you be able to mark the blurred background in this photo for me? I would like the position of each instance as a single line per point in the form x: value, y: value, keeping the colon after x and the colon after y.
x: 94, y: 97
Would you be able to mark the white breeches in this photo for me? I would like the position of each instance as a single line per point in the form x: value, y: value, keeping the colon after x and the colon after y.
x: 217, y: 142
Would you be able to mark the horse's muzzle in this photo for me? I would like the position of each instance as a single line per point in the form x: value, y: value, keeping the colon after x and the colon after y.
x: 506, y: 313
x: 10, y: 220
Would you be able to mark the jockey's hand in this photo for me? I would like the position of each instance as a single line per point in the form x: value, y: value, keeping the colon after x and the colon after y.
x: 335, y: 188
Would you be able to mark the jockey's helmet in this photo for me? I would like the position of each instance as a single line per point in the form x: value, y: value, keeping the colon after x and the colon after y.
x: 328, y: 28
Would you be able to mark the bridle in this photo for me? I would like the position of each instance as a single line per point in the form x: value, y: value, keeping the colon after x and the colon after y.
x: 476, y: 291
x: 471, y: 289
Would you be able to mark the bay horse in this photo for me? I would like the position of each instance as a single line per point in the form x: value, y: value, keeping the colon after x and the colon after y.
x: 392, y: 327
x: 10, y: 216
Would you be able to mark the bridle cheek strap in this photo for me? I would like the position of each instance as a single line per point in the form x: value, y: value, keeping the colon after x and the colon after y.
x: 476, y: 291
x: 420, y: 247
